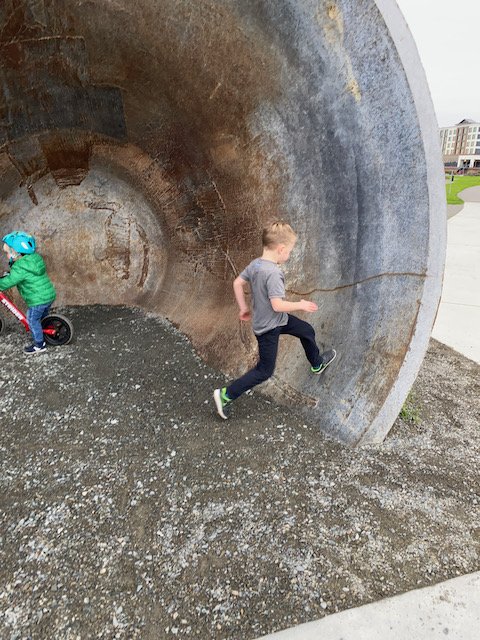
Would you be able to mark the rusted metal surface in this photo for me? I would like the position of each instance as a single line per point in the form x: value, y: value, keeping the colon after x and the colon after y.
x: 160, y: 136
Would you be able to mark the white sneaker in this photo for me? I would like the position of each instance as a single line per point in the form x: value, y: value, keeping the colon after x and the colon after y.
x: 221, y: 402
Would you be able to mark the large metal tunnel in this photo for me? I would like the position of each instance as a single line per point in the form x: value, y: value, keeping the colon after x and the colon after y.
x: 146, y: 143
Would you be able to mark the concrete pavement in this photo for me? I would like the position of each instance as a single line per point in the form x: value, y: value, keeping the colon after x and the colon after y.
x: 446, y: 610
x: 458, y: 319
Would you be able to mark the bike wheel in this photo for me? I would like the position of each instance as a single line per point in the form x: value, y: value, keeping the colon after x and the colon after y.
x: 57, y: 330
x: 2, y: 325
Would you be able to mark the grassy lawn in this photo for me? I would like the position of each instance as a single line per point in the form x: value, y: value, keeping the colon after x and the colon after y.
x: 459, y: 184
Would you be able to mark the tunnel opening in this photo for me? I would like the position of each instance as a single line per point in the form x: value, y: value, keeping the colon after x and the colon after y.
x: 158, y: 138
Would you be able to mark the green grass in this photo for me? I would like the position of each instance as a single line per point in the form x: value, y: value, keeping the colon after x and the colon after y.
x: 409, y: 411
x: 459, y: 184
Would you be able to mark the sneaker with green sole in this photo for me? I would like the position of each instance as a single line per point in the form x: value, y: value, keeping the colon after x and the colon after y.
x: 222, y: 402
x: 327, y: 358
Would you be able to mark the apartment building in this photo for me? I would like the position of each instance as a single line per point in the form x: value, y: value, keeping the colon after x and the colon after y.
x: 461, y: 145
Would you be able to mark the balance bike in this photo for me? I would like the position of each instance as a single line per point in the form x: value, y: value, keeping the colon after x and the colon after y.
x: 57, y: 330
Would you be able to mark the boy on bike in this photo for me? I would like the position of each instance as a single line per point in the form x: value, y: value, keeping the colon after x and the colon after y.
x: 28, y: 273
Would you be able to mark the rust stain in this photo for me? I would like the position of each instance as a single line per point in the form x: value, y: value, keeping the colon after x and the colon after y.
x: 330, y: 17
x: 46, y: 92
x: 353, y: 87
x: 146, y: 254
x: 336, y: 17
x: 32, y: 195
x: 67, y: 156
x: 19, y: 22
x: 118, y: 233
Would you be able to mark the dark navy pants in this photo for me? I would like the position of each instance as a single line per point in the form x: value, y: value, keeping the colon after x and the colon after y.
x: 267, y: 354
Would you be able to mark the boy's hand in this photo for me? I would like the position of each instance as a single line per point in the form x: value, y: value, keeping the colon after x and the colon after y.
x: 245, y: 315
x: 308, y: 306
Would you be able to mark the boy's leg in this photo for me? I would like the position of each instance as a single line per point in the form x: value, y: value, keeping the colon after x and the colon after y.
x: 46, y: 310
x: 306, y: 333
x: 34, y: 319
x: 267, y: 356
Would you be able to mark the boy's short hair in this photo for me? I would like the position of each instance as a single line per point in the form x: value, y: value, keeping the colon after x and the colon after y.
x: 278, y: 233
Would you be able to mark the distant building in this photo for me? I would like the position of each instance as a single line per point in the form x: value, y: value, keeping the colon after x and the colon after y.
x: 461, y: 145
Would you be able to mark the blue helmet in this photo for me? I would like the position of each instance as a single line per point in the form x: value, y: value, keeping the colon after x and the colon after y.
x: 20, y: 242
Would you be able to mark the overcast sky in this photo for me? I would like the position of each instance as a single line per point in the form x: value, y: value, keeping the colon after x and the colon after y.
x: 447, y: 33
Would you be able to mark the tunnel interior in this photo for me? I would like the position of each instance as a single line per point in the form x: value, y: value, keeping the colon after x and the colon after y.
x: 146, y: 144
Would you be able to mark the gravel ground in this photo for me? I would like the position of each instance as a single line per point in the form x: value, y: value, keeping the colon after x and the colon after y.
x: 128, y: 510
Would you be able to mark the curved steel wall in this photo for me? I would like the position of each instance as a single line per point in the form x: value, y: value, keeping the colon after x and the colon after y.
x: 160, y: 136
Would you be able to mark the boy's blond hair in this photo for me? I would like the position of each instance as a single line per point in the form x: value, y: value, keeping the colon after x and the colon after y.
x: 278, y: 233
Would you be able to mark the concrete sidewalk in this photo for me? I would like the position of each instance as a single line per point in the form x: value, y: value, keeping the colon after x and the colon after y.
x: 458, y: 320
x: 450, y: 609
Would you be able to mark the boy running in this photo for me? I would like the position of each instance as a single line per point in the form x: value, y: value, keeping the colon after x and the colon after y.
x: 271, y: 315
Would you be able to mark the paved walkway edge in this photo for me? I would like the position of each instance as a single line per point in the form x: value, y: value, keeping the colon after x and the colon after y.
x: 458, y: 315
x: 449, y: 609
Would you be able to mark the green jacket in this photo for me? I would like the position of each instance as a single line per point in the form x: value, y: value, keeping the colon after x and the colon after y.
x: 29, y: 275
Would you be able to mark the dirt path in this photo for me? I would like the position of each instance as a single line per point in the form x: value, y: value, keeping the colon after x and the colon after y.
x: 127, y: 510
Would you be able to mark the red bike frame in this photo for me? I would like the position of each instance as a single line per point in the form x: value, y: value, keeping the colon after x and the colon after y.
x: 19, y: 315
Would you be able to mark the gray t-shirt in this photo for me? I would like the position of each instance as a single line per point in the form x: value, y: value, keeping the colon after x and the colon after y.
x: 266, y: 282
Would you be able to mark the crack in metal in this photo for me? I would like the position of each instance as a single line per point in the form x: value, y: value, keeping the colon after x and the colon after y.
x: 353, y: 284
x: 103, y: 206
x: 222, y: 203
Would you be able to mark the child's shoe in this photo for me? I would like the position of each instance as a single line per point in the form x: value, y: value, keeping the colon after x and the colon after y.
x: 327, y: 357
x: 222, y: 402
x: 33, y: 349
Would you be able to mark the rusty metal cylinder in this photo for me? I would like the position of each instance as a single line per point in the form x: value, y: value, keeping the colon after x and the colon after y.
x: 146, y: 143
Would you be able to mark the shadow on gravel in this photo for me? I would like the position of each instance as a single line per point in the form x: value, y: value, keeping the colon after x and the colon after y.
x: 128, y: 510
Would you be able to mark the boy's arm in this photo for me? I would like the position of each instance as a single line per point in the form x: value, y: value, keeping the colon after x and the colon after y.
x: 279, y: 305
x: 11, y: 280
x: 239, y: 285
